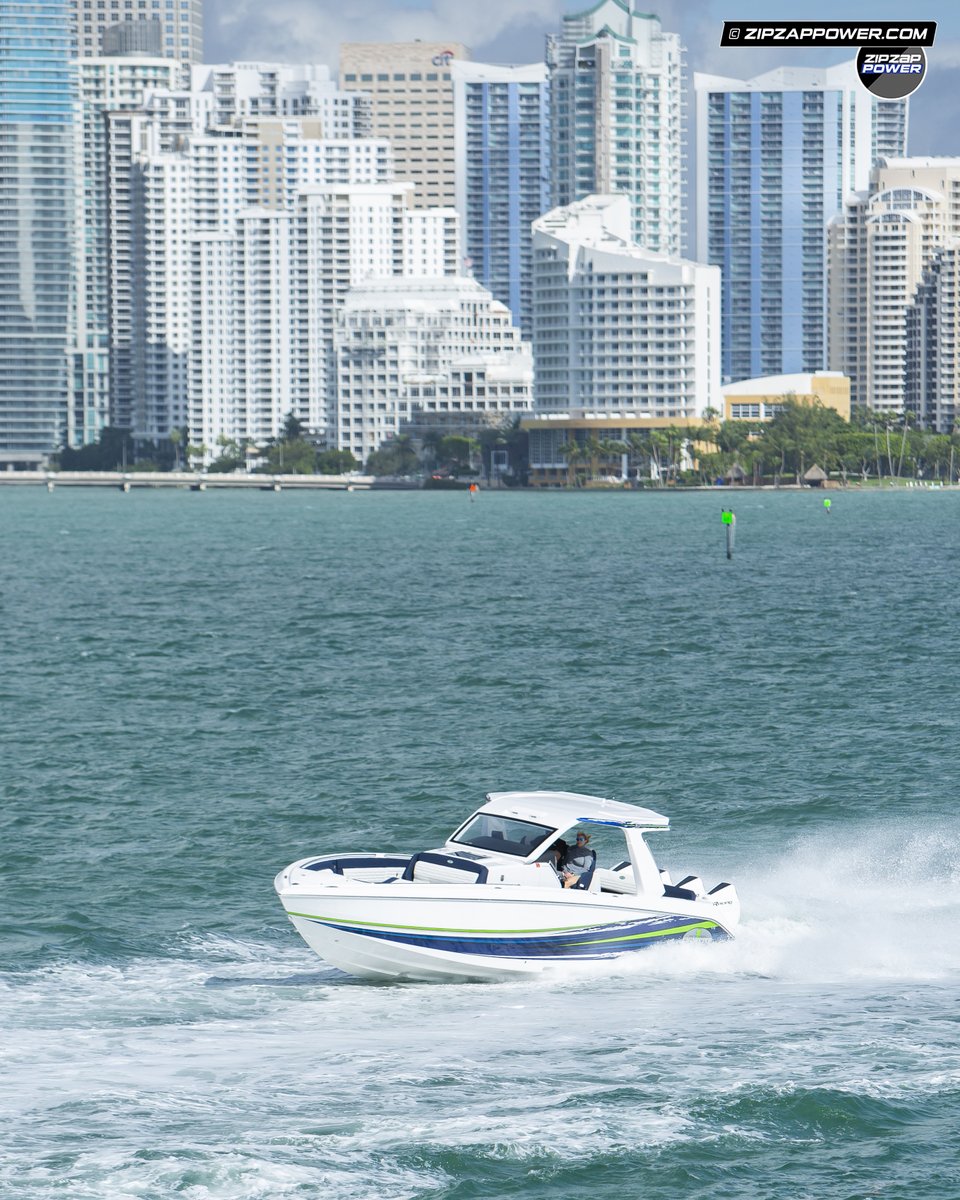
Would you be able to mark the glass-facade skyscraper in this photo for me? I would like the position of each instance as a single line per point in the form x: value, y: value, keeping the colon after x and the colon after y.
x: 36, y: 226
x: 502, y: 146
x: 616, y: 102
x: 775, y: 157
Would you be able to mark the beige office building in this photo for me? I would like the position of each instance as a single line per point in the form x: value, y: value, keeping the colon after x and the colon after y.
x: 412, y: 105
x: 879, y: 246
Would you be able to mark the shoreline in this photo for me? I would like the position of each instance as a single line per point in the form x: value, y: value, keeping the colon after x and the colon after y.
x: 126, y: 481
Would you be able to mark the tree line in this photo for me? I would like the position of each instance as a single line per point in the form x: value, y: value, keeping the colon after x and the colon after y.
x: 871, y: 446
x: 436, y: 453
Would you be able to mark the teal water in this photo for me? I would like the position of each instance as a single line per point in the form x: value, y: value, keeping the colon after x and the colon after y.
x: 198, y: 689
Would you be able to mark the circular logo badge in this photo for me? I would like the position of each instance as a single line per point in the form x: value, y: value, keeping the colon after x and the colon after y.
x: 891, y: 74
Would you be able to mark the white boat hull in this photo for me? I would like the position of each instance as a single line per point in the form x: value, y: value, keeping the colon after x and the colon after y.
x: 414, y: 933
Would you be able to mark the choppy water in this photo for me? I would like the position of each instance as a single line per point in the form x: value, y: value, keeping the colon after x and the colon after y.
x: 199, y: 688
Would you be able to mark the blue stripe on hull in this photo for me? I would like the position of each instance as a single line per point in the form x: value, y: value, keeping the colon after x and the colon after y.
x: 603, y: 941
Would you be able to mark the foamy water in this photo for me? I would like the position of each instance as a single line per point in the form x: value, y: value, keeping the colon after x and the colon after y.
x: 177, y: 733
x: 126, y: 1076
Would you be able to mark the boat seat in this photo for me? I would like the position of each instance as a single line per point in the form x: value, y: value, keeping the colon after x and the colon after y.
x: 431, y: 867
x: 615, y: 879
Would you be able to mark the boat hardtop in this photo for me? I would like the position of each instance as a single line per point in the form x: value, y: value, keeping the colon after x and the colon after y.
x: 571, y: 808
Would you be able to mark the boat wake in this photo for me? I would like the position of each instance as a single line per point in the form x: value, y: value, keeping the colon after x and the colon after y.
x: 882, y: 906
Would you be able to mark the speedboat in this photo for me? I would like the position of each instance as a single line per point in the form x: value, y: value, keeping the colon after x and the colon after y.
x: 491, y: 903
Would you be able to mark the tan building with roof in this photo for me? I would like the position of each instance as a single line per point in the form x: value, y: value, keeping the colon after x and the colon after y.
x: 761, y: 399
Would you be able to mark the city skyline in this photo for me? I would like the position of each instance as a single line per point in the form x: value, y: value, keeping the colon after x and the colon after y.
x: 508, y: 33
x: 167, y: 154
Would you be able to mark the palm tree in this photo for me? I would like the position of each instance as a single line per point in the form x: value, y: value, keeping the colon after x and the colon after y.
x: 613, y: 449
x: 659, y: 445
x: 573, y: 451
x: 641, y: 451
x: 594, y: 451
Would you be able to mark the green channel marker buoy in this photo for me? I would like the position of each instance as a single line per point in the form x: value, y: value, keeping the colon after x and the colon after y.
x: 729, y: 518
x: 826, y: 503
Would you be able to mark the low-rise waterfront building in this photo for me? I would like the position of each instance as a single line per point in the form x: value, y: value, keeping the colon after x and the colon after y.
x: 761, y: 399
x: 604, y: 443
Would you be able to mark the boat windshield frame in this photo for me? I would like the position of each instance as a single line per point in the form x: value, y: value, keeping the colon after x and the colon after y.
x: 503, y: 834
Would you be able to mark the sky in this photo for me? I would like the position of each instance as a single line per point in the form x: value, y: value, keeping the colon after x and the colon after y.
x: 512, y: 31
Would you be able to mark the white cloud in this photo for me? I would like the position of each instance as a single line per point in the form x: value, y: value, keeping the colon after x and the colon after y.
x: 299, y: 31
x: 305, y: 31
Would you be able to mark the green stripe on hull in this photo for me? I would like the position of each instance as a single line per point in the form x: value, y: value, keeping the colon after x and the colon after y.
x: 614, y: 939
x: 632, y: 937
x: 433, y: 928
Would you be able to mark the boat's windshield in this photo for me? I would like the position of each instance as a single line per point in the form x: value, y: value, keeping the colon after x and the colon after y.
x: 487, y: 831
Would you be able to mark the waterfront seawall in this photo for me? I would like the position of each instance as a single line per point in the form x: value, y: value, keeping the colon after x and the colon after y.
x: 128, y: 480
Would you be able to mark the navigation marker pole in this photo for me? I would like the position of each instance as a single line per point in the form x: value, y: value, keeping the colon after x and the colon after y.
x: 729, y: 518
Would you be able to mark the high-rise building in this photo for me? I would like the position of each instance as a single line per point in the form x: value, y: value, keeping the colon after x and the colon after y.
x: 106, y: 85
x: 246, y: 135
x: 249, y: 370
x: 776, y: 156
x: 163, y: 126
x: 880, y: 245
x: 616, y: 328
x: 932, y: 356
x: 37, y: 203
x: 248, y: 361
x: 170, y: 28
x: 239, y: 90
x: 424, y: 353
x: 616, y: 94
x: 203, y: 193
x: 411, y: 99
x: 502, y: 140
